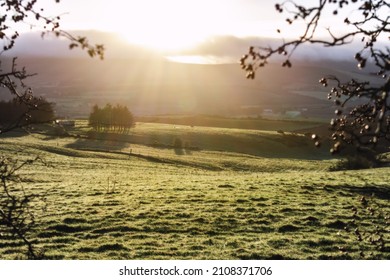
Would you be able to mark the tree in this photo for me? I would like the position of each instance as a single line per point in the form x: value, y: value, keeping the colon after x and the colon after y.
x: 13, y: 13
x: 13, y: 113
x: 16, y: 203
x: 117, y: 119
x: 93, y: 119
x: 363, y: 126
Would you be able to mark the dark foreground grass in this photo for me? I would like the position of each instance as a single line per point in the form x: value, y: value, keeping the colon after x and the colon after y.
x: 111, y: 205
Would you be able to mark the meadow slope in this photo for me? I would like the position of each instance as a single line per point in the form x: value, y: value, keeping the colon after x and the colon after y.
x: 140, y: 198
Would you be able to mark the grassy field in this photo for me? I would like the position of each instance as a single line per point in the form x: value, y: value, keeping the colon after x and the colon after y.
x: 241, y: 123
x: 225, y: 194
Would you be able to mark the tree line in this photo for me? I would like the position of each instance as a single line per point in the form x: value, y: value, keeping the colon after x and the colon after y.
x: 117, y: 118
x: 18, y: 113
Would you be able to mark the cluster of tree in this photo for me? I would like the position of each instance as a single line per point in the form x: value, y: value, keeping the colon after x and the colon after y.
x: 117, y: 118
x: 19, y: 113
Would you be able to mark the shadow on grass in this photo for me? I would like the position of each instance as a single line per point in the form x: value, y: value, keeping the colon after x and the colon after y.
x: 14, y: 134
x: 111, y: 247
x: 62, y: 228
x: 97, y: 145
x: 257, y: 256
x: 179, y: 151
x: 382, y: 192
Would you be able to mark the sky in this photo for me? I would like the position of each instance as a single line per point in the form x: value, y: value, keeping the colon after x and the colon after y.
x: 169, y: 25
x: 186, y: 30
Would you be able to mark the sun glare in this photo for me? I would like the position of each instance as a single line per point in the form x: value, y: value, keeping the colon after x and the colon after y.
x: 176, y: 25
x: 166, y: 38
x: 170, y: 25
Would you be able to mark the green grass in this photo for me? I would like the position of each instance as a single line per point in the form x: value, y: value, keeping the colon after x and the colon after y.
x: 206, y: 203
x: 262, y: 143
x: 240, y: 123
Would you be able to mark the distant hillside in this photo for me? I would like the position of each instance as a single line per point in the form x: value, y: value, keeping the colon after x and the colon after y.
x: 151, y: 86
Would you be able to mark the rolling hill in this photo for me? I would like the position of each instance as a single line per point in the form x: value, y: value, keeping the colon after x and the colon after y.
x: 151, y: 86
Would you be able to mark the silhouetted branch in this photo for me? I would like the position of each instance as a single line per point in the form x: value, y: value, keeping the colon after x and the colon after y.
x: 16, y: 215
x: 363, y: 125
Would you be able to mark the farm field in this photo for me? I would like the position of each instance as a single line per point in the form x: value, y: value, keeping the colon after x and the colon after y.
x: 241, y: 123
x: 221, y: 194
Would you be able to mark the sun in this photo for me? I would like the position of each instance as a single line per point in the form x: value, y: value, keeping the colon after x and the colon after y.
x: 168, y: 26
x: 168, y: 37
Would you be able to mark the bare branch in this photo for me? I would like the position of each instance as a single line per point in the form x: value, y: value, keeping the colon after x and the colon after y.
x: 364, y: 125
